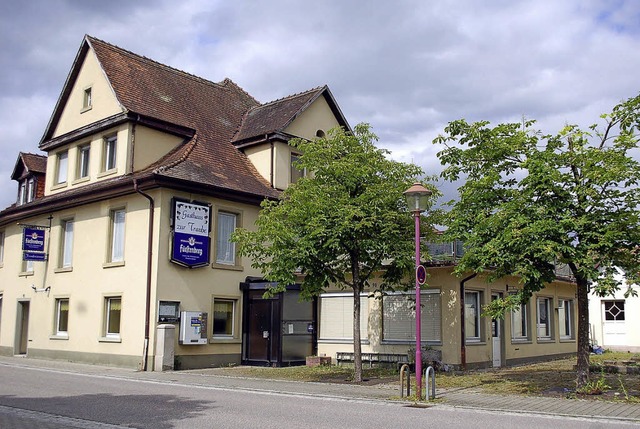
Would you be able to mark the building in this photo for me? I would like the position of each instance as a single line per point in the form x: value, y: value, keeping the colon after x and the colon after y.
x: 117, y: 249
x: 612, y: 319
x: 452, y: 325
x: 148, y: 171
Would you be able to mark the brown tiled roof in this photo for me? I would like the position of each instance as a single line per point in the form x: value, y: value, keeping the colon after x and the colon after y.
x: 29, y: 163
x: 276, y: 115
x: 213, y: 110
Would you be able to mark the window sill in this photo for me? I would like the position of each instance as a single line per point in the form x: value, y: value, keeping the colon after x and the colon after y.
x: 80, y: 180
x: 110, y: 340
x: 223, y: 340
x: 229, y: 267
x: 340, y: 341
x: 523, y: 341
x: 85, y: 109
x: 567, y: 340
x: 545, y: 340
x: 25, y: 274
x: 475, y: 343
x: 59, y: 337
x: 113, y: 264
x: 63, y: 270
x: 107, y: 173
x: 59, y: 186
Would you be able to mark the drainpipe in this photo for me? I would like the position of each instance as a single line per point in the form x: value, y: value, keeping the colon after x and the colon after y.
x: 147, y: 314
x: 266, y: 136
x: 463, y: 334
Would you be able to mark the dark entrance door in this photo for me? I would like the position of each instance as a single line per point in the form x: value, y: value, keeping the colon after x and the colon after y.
x: 262, y: 337
x: 22, y: 334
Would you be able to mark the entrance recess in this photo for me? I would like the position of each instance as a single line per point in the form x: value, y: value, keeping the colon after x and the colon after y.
x: 278, y: 330
x: 22, y: 328
x: 496, y: 336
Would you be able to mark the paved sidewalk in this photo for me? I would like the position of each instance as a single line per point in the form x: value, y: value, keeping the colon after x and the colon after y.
x: 462, y: 398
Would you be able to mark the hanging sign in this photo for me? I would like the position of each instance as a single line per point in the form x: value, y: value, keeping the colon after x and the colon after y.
x: 33, y: 239
x: 191, y: 228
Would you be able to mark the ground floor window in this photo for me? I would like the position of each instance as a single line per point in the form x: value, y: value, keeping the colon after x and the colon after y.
x: 336, y: 317
x: 520, y: 323
x: 472, y: 311
x: 544, y: 318
x: 62, y: 316
x: 565, y: 318
x: 224, y: 313
x: 113, y: 311
x: 399, y: 317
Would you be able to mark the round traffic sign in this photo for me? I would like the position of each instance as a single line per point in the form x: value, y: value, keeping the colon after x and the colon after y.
x: 421, y: 274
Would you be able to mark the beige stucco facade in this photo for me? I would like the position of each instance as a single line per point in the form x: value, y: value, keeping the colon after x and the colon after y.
x: 508, y: 348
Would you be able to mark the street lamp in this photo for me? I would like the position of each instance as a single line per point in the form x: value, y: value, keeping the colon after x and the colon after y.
x: 417, y: 197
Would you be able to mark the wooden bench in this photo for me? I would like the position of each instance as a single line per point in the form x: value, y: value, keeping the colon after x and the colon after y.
x: 371, y: 358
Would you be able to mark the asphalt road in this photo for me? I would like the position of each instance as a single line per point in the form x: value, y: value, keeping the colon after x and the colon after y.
x: 48, y: 398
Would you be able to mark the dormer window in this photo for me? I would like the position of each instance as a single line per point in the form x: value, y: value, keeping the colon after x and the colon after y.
x: 31, y: 189
x: 86, y: 99
x: 22, y: 193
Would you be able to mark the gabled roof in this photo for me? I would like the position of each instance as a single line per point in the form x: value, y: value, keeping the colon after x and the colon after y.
x: 276, y: 116
x: 29, y: 163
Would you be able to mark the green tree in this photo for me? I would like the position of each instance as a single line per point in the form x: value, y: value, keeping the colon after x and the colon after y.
x: 341, y: 225
x: 532, y: 201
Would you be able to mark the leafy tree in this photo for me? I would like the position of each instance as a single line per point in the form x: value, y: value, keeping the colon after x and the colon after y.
x: 342, y: 225
x: 532, y: 201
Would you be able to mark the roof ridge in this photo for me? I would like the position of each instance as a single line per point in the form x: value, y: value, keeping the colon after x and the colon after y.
x: 32, y: 154
x: 226, y: 81
x: 190, y: 146
x: 155, y: 63
x: 288, y: 97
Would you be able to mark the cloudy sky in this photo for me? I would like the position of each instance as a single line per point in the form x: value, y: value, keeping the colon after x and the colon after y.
x: 405, y: 67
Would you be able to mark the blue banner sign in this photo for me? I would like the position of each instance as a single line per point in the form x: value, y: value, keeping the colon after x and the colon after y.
x: 191, y: 226
x: 33, y: 256
x: 33, y: 239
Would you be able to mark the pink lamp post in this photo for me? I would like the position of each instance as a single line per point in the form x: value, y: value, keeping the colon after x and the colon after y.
x: 417, y: 197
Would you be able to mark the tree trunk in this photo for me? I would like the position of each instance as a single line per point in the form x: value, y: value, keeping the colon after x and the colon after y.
x: 357, y: 348
x: 582, y: 372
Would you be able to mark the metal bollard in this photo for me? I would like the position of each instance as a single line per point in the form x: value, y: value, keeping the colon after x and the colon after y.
x: 433, y: 383
x: 404, y: 369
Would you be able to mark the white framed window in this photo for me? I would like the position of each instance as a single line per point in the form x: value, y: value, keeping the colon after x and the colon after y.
x: 84, y: 153
x: 66, y: 244
x: 62, y: 167
x: 113, y: 312
x: 110, y: 153
x: 116, y: 250
x: 520, y: 323
x: 27, y: 267
x: 31, y: 189
x: 565, y: 318
x: 614, y: 310
x: 225, y: 248
x: 224, y: 316
x: 543, y: 321
x: 399, y: 316
x: 22, y: 192
x: 472, y: 311
x: 87, y: 99
x: 296, y: 174
x: 62, y: 316
x: 336, y: 317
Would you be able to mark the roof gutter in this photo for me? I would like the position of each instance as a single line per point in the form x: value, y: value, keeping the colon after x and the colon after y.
x: 147, y: 313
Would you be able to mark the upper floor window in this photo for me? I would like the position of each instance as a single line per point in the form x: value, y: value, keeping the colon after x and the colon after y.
x: 83, y: 161
x: 296, y: 173
x: 31, y: 189
x: 22, y: 193
x: 61, y: 167
x: 109, y: 153
x: 86, y: 99
x: 66, y: 244
x: 116, y: 253
x: 26, y: 191
x: 225, y: 248
x: 1, y: 247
